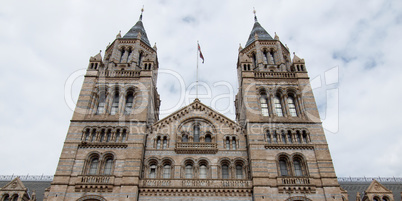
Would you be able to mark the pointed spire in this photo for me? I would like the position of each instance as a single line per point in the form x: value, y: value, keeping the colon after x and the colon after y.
x: 276, y: 37
x: 138, y: 31
x: 142, y: 11
x: 258, y: 32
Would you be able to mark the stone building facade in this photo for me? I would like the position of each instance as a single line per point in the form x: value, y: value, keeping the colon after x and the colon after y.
x: 117, y: 148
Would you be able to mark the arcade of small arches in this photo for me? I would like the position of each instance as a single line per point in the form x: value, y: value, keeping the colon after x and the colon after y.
x: 104, y: 134
x: 112, y: 100
x: 294, y: 136
x: 280, y: 103
x: 196, y: 169
x: 377, y: 198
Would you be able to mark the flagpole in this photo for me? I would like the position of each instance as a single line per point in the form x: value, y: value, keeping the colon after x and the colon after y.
x: 196, y: 93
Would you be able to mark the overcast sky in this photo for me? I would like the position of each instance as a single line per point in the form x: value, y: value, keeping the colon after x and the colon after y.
x: 352, y: 51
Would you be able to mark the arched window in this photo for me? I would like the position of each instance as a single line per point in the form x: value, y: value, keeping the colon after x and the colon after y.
x: 268, y: 136
x: 140, y: 58
x: 278, y: 106
x: 6, y: 197
x: 203, y: 171
x: 196, y: 133
x: 227, y: 143
x: 117, y: 135
x: 189, y: 171
x: 152, y: 171
x: 129, y: 103
x: 164, y: 142
x: 15, y: 197
x: 166, y: 171
x: 264, y: 105
x: 184, y: 138
x: 158, y: 143
x: 122, y: 54
x: 108, y: 166
x: 298, y: 167
x: 234, y: 143
x: 254, y: 56
x: 208, y: 138
x: 283, y: 167
x: 239, y: 171
x: 225, y: 171
x: 115, y: 103
x: 101, y: 103
x: 385, y: 198
x: 292, y: 106
x: 275, y: 137
x: 376, y: 199
x: 93, y: 166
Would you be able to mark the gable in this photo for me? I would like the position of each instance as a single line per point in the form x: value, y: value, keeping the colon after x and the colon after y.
x: 14, y: 185
x: 377, y: 187
x: 195, y: 110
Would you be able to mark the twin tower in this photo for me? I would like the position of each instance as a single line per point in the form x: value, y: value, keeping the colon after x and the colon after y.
x: 118, y: 149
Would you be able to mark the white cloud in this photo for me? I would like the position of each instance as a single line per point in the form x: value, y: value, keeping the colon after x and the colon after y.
x: 43, y: 42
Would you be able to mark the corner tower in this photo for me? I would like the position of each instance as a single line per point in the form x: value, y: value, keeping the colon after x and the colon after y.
x: 288, y: 153
x: 103, y: 152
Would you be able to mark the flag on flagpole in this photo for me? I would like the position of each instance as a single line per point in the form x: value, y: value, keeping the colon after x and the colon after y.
x: 201, y: 56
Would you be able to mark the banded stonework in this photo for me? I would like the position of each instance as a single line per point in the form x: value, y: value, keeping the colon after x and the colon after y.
x: 117, y: 148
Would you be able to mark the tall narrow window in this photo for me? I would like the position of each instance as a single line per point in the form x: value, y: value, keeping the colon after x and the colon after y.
x: 227, y: 143
x: 292, y: 107
x: 184, y: 138
x: 225, y: 172
x: 158, y: 143
x: 264, y: 105
x: 272, y: 54
x: 108, y: 166
x: 152, y: 171
x: 123, y: 51
x: 196, y: 133
x: 189, y: 171
x: 255, y: 60
x: 6, y: 198
x: 101, y: 103
x: 87, y: 135
x: 139, y: 59
x: 298, y: 168
x: 166, y: 171
x: 164, y: 143
x: 115, y: 103
x: 290, y: 140
x: 278, y: 106
x: 239, y: 172
x: 298, y: 137
x: 15, y: 198
x: 123, y: 136
x: 93, y: 167
x: 283, y: 167
x: 268, y: 137
x: 283, y: 138
x: 117, y: 135
x: 304, y: 137
x: 208, y: 138
x: 102, y: 135
x: 108, y: 136
x: 234, y: 143
x: 203, y: 172
x: 93, y: 135
x: 129, y: 103
x: 275, y: 137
